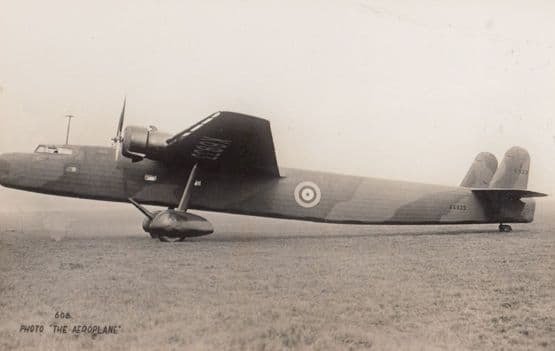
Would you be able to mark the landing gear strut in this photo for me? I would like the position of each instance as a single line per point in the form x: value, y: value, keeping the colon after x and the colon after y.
x: 175, y: 224
x: 505, y: 228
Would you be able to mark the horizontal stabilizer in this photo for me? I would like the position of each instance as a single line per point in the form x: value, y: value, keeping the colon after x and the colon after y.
x: 507, y: 193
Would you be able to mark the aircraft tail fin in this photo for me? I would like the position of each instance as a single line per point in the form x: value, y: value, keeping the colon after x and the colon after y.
x: 513, y: 170
x: 481, y: 171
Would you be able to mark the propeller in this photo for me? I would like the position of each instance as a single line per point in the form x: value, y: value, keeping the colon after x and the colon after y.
x: 118, y: 139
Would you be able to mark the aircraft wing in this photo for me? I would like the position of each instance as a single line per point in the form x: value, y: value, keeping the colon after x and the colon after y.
x: 228, y: 142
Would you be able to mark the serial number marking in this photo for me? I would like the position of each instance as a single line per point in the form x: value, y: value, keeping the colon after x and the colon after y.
x: 458, y: 207
x: 520, y: 171
x: 209, y: 148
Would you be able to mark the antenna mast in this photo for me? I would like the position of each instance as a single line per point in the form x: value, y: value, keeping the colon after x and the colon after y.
x: 69, y: 117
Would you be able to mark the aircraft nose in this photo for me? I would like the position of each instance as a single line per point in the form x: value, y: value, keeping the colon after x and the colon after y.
x: 4, y: 167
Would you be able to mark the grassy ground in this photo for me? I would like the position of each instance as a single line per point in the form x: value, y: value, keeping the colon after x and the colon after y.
x: 266, y: 284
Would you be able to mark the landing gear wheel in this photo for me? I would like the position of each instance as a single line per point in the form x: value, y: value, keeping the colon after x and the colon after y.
x: 168, y: 239
x: 505, y: 228
x: 153, y: 236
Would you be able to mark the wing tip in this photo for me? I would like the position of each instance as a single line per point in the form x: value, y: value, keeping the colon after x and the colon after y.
x: 242, y: 115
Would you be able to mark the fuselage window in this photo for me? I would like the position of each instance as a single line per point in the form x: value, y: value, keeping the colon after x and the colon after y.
x: 71, y: 169
x: 52, y: 149
x: 151, y: 177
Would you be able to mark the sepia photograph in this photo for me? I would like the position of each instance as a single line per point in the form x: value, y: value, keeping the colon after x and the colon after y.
x: 277, y: 175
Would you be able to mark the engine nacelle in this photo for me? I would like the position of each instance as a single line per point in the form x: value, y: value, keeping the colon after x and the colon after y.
x: 141, y: 142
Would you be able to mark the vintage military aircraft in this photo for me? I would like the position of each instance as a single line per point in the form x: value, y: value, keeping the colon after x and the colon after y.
x: 227, y: 163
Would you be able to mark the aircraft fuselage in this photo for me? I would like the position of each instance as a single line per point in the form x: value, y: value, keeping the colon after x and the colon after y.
x: 91, y: 172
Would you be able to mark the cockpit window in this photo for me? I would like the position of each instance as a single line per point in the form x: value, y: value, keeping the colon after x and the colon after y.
x: 53, y: 149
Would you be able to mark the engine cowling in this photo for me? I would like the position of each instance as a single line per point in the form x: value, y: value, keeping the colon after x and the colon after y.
x: 142, y: 142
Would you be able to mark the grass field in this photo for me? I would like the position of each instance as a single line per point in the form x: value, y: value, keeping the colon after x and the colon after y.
x: 261, y: 284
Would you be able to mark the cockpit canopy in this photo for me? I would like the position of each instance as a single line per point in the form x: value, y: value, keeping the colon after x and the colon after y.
x: 54, y: 149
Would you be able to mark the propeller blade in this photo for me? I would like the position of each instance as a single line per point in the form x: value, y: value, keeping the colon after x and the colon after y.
x: 121, y: 118
x: 117, y: 151
x: 118, y: 138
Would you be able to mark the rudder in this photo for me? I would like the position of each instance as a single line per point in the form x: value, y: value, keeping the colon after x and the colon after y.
x: 481, y: 171
x: 513, y: 171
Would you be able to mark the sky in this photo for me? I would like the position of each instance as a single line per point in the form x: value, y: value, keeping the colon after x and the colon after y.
x: 390, y: 89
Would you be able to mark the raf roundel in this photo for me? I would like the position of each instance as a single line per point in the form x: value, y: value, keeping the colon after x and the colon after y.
x: 307, y: 194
